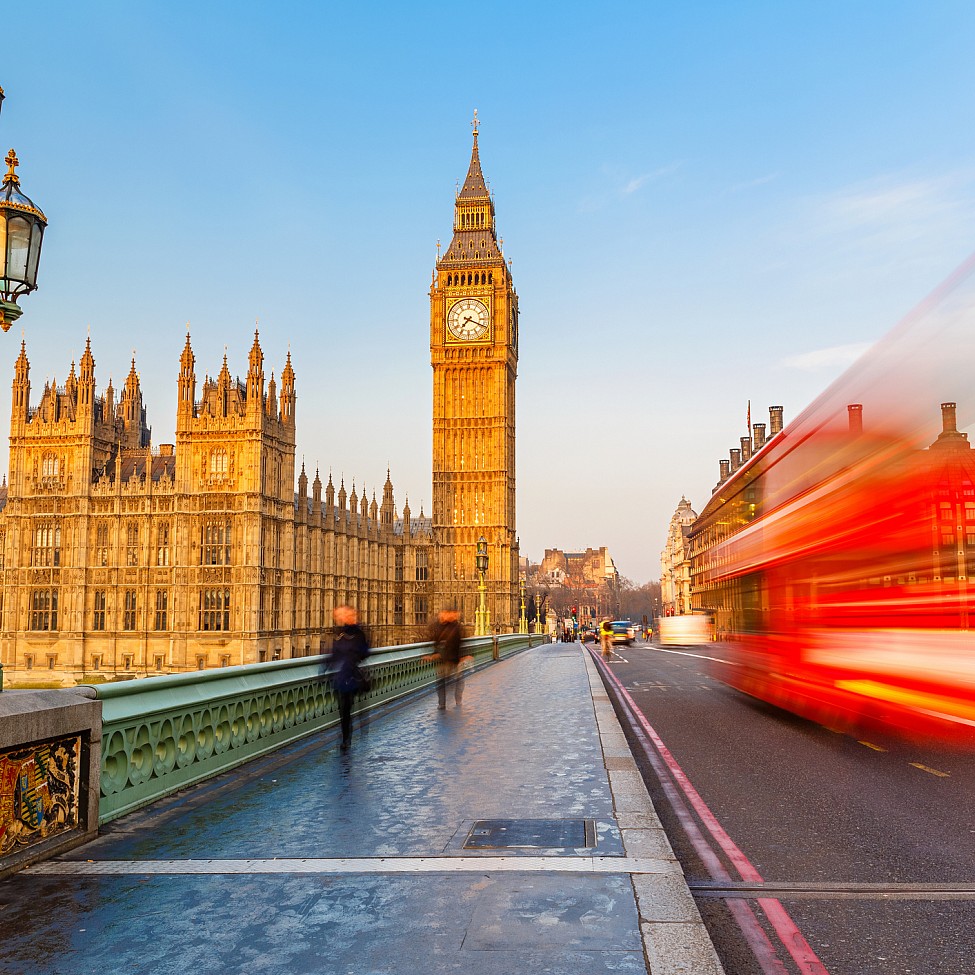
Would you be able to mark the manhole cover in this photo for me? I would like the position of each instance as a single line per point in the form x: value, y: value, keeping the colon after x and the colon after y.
x: 543, y: 834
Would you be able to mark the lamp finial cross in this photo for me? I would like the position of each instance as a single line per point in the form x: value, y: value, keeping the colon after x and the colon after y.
x: 12, y: 163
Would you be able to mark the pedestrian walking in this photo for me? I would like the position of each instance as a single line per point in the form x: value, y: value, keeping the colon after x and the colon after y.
x: 448, y: 658
x: 606, y: 637
x: 348, y: 651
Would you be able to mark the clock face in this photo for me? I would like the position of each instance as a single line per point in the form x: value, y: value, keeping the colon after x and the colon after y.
x: 468, y: 319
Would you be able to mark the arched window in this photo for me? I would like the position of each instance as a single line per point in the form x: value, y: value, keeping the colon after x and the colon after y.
x: 132, y: 544
x: 218, y: 461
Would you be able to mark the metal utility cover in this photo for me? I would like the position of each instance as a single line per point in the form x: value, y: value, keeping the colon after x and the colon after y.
x: 543, y: 834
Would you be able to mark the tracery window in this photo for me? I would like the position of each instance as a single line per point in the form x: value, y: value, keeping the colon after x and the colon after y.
x: 98, y: 614
x: 162, y: 544
x: 216, y: 542
x: 215, y: 609
x: 422, y: 566
x: 101, y: 545
x: 44, y: 609
x: 130, y: 611
x: 162, y: 609
x: 46, y: 549
x: 132, y: 544
x: 218, y: 461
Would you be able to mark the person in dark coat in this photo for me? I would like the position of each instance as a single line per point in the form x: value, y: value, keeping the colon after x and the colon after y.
x: 348, y: 651
x: 447, y: 637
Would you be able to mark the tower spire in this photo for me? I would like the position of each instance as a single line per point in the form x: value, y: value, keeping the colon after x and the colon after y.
x: 474, y: 187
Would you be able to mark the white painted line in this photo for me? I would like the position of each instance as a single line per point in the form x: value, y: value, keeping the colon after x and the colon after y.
x: 702, y: 656
x: 358, y: 865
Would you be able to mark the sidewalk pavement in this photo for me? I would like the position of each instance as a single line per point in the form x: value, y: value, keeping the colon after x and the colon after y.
x: 513, y: 834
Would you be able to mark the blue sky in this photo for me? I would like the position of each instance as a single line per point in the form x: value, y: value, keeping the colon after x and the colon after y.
x: 705, y: 203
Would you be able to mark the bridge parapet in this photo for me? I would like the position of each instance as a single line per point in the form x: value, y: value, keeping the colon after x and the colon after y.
x: 162, y: 734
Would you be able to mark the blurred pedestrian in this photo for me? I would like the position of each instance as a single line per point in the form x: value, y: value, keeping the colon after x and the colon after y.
x: 349, y: 649
x: 448, y: 657
x: 606, y: 637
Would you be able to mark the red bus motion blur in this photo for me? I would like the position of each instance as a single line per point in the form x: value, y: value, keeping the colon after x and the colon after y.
x: 836, y: 562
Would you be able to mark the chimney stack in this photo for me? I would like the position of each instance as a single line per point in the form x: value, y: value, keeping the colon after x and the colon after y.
x: 949, y: 421
x: 735, y: 455
x: 725, y: 467
x: 775, y: 420
x: 758, y: 437
x: 855, y: 414
x: 746, y: 448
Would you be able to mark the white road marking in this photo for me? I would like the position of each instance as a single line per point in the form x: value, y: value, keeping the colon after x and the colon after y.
x: 702, y: 656
x: 359, y: 865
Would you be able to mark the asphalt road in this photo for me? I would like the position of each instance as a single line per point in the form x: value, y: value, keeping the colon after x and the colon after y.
x: 864, y: 850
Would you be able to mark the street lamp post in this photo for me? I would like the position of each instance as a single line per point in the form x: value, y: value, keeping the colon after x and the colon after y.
x: 482, y: 621
x: 540, y: 614
x: 22, y: 226
x: 523, y: 619
x: 21, y: 231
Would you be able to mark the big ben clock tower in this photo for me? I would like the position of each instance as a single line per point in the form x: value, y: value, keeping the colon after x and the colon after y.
x: 474, y: 354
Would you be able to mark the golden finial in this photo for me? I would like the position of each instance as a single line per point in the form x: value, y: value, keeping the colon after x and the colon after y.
x: 474, y: 123
x: 12, y: 163
x: 438, y: 248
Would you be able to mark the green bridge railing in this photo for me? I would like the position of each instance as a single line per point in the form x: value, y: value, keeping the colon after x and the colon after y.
x: 161, y: 734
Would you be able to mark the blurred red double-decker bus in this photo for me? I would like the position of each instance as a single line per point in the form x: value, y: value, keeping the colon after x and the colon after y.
x: 837, y: 569
x: 837, y: 560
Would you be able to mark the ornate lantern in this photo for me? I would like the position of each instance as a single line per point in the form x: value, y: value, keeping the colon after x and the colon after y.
x: 21, y: 231
x: 481, y: 560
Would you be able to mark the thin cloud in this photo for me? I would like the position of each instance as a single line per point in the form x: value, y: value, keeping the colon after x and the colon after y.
x: 836, y: 356
x: 632, y: 185
x: 897, y: 211
x: 758, y: 181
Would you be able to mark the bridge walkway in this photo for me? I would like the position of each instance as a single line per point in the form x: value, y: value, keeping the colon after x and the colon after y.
x: 512, y: 834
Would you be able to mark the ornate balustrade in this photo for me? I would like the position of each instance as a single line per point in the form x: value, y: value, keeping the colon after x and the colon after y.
x: 161, y: 734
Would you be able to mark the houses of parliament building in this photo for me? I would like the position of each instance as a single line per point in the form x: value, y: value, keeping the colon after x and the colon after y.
x: 118, y: 559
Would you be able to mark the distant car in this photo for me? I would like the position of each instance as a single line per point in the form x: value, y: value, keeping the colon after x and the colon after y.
x: 623, y: 631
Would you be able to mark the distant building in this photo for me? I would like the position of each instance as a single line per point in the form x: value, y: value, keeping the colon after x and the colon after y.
x: 578, y: 570
x: 675, y: 562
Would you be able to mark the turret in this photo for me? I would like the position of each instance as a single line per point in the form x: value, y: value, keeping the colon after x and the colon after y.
x: 135, y: 433
x: 21, y: 388
x: 387, y: 512
x: 271, y: 403
x: 288, y: 394
x: 407, y: 532
x: 255, y: 377
x: 302, y: 494
x: 86, y: 380
x: 316, y: 498
x: 71, y: 385
x: 186, y: 404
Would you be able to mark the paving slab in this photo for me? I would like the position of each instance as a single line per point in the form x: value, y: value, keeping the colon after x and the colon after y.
x: 312, y: 860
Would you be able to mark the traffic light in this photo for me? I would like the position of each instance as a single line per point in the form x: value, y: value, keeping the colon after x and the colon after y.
x: 575, y: 612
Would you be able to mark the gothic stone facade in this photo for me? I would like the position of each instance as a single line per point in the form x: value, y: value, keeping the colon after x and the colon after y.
x: 120, y: 560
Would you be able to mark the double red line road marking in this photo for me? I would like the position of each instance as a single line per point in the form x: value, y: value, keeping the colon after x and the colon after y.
x: 684, y: 798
